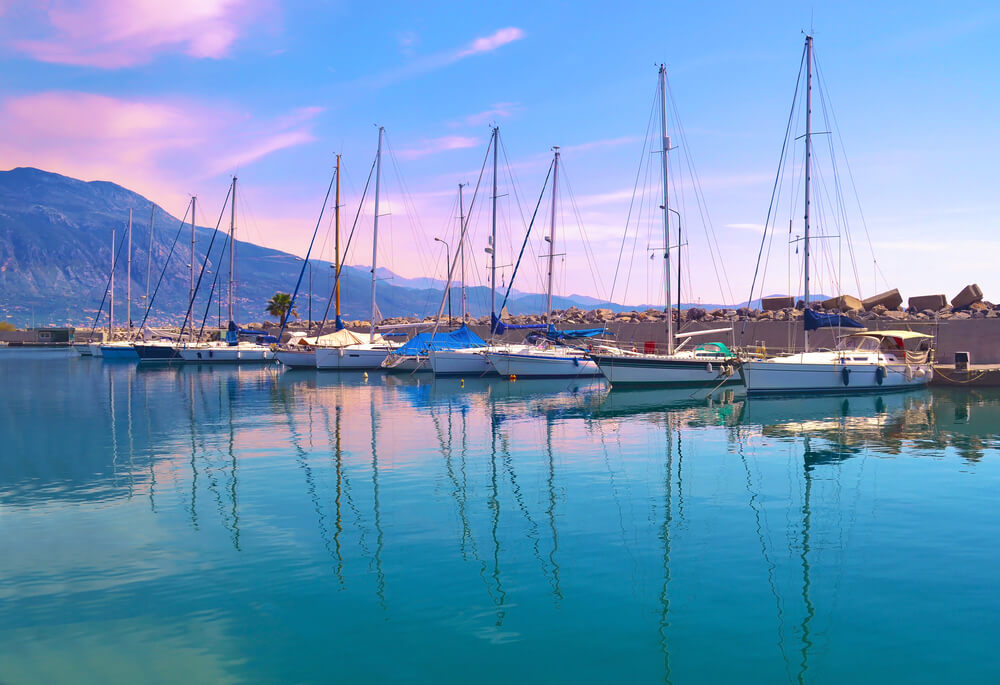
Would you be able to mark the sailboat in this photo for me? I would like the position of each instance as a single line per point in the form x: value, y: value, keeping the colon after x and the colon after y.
x: 359, y: 354
x: 472, y: 361
x: 231, y: 349
x: 708, y: 364
x: 122, y: 350
x: 413, y: 355
x: 300, y: 353
x: 543, y: 353
x: 864, y: 360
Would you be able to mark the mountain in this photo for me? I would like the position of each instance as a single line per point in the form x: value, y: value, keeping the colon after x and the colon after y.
x: 56, y: 252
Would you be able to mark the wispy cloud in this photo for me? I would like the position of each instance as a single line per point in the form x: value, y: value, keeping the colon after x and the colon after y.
x: 157, y: 146
x: 421, y: 65
x: 597, y: 144
x: 112, y: 34
x: 500, y: 110
x: 436, y: 145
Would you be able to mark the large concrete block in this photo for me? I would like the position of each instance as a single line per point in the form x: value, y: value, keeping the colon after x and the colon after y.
x: 890, y: 299
x: 970, y: 294
x: 774, y: 304
x: 933, y: 302
x: 843, y: 303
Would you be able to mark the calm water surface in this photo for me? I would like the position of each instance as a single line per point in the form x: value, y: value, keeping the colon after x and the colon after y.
x: 254, y: 525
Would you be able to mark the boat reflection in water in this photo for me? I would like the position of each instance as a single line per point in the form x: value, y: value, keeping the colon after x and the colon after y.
x: 255, y: 524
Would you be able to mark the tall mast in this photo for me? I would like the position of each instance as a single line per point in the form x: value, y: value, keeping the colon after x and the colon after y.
x: 493, y: 234
x: 128, y: 276
x: 666, y: 211
x: 111, y: 306
x: 191, y: 265
x: 336, y: 246
x: 232, y: 254
x: 378, y: 182
x: 809, y: 76
x: 461, y: 243
x: 552, y: 235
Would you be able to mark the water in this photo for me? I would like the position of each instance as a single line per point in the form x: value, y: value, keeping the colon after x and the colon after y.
x: 253, y: 525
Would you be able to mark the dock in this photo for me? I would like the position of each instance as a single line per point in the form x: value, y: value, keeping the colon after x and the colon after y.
x: 975, y: 376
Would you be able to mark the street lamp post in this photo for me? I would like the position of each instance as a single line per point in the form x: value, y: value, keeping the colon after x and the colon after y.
x: 447, y: 261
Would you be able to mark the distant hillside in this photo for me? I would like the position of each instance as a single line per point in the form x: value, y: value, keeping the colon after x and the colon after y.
x: 55, y: 253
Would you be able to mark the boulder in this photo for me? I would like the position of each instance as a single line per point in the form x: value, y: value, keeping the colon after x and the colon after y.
x: 695, y: 314
x: 774, y: 304
x: 920, y: 303
x: 895, y: 315
x: 878, y: 309
x: 843, y: 303
x: 890, y: 299
x: 970, y: 294
x: 603, y: 314
x: 979, y: 306
x: 962, y: 315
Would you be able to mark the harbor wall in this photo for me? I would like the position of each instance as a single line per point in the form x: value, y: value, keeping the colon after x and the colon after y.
x: 979, y: 337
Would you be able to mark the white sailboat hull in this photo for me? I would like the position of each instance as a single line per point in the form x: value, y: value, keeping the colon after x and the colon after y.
x: 472, y: 363
x: 666, y: 371
x: 350, y: 357
x: 770, y: 377
x: 297, y: 359
x: 225, y: 354
x: 542, y: 363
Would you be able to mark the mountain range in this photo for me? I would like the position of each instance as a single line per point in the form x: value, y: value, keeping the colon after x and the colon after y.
x: 56, y: 252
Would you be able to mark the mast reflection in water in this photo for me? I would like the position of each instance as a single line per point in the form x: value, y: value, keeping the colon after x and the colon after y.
x: 234, y: 524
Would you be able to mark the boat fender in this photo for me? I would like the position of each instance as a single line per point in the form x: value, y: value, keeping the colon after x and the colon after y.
x: 340, y: 352
x: 576, y: 361
x: 199, y: 355
x: 930, y: 373
x: 210, y: 353
x: 845, y: 374
x: 920, y: 372
x: 708, y: 367
x: 728, y: 370
x: 879, y: 374
x: 908, y: 374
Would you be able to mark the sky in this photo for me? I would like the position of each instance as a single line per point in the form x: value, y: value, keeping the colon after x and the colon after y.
x: 172, y: 99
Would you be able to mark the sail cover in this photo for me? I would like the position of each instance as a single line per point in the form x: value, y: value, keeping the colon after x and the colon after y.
x: 422, y: 343
x: 814, y: 320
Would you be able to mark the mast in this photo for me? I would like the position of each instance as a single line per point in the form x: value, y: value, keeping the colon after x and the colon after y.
x: 336, y: 247
x: 461, y: 243
x: 191, y: 265
x: 493, y: 234
x: 809, y: 75
x: 378, y: 182
x: 552, y: 236
x: 111, y: 306
x: 232, y: 253
x: 666, y: 211
x: 128, y: 276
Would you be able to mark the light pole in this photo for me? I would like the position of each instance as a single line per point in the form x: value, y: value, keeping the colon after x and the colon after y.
x: 447, y: 261
x: 679, y: 243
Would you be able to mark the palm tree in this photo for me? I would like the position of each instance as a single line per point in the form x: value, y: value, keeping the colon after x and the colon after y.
x: 278, y: 306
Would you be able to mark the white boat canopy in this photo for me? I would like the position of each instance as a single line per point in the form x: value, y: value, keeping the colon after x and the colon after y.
x: 902, y: 335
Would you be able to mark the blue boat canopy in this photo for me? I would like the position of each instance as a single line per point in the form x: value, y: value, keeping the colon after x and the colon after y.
x: 422, y: 343
x: 233, y: 333
x: 814, y: 320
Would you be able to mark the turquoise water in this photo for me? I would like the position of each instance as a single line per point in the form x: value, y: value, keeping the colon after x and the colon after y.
x: 253, y: 525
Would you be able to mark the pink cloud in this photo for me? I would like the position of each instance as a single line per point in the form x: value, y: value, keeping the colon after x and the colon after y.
x: 443, y: 144
x: 154, y: 147
x: 111, y: 34
x: 491, y: 42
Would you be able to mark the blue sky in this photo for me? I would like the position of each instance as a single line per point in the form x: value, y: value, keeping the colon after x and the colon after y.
x: 172, y: 98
